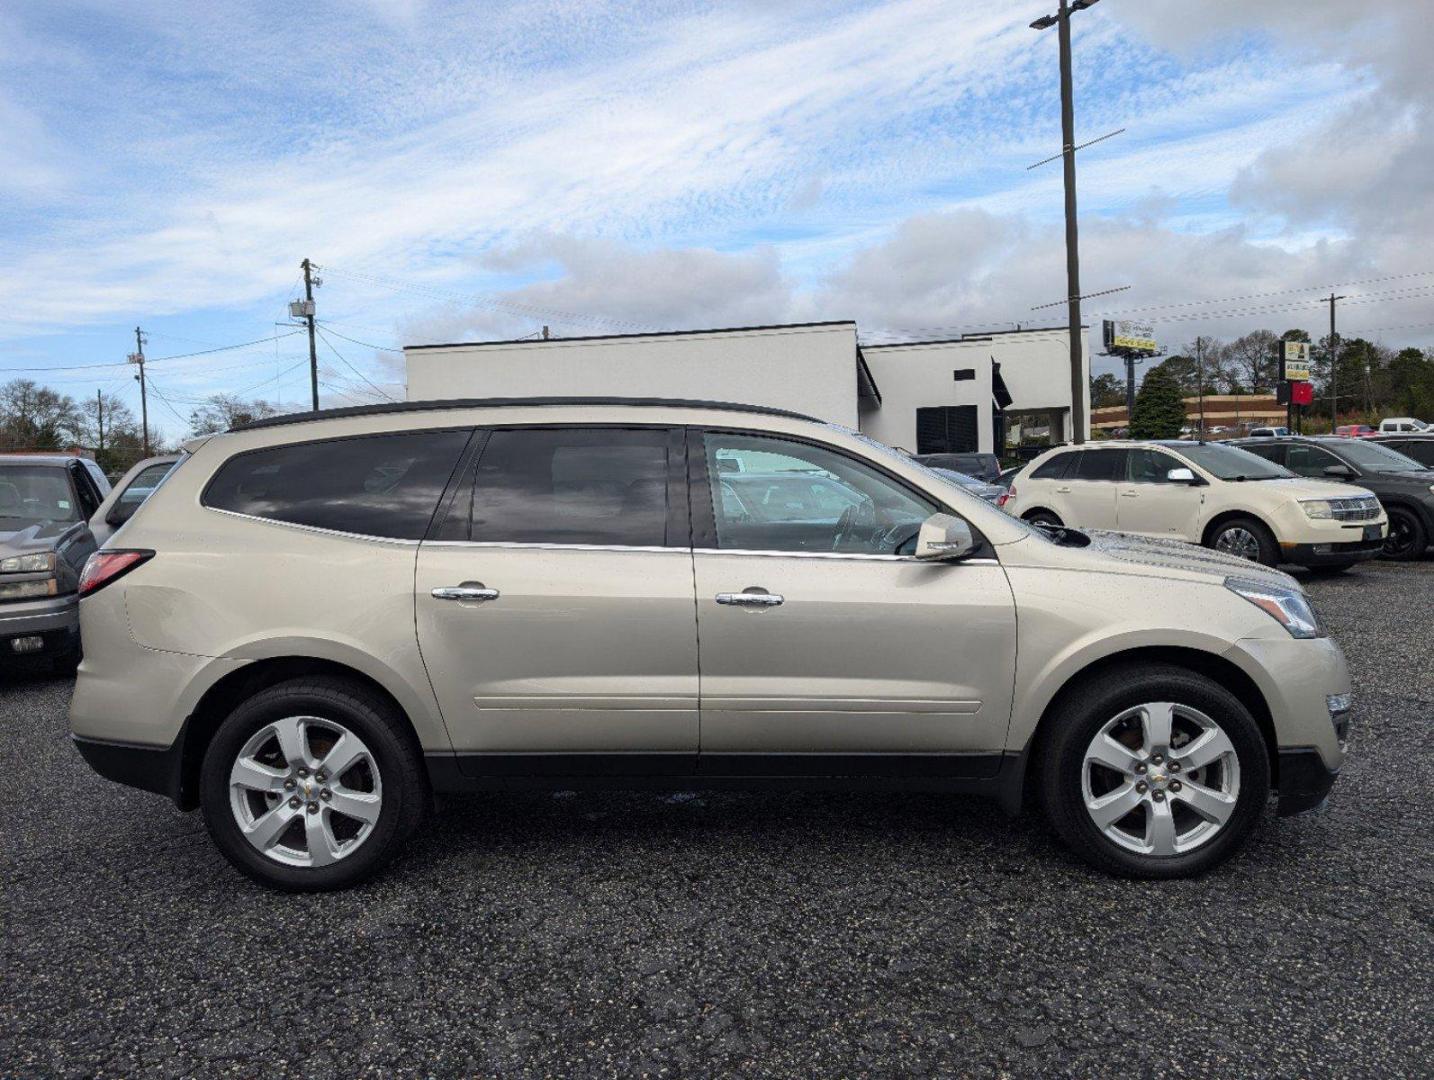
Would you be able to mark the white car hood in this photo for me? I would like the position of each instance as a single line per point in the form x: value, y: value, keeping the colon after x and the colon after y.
x: 1113, y: 552
x: 1299, y: 487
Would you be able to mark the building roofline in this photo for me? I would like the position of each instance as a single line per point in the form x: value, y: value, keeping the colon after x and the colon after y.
x: 646, y: 334
x: 966, y: 339
x: 398, y: 407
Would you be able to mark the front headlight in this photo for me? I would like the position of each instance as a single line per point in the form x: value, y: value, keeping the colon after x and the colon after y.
x: 1318, y: 509
x: 34, y: 563
x: 1288, y: 607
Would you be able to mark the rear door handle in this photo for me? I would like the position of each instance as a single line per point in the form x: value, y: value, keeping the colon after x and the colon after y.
x: 1130, y: 494
x: 469, y: 590
x: 1063, y: 491
x: 750, y: 599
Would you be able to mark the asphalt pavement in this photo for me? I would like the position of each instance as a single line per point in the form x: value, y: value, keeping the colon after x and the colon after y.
x: 753, y: 934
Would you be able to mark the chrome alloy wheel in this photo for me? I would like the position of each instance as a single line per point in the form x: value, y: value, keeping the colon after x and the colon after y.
x: 1160, y: 779
x: 305, y: 791
x: 1239, y: 541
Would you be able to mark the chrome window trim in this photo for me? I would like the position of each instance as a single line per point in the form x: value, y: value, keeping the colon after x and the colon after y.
x: 313, y: 528
x: 846, y: 555
x: 540, y: 545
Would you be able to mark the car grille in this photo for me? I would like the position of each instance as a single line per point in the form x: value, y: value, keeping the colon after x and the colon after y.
x: 1363, y: 508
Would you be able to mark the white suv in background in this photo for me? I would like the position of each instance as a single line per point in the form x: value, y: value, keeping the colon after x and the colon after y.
x: 1203, y: 493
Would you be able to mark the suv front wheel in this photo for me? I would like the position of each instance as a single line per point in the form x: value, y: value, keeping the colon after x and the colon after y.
x: 1155, y: 772
x: 1246, y: 538
x: 312, y: 784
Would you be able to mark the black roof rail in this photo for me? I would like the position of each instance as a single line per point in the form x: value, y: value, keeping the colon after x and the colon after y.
x: 493, y: 403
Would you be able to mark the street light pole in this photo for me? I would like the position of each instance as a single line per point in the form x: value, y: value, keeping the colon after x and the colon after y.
x: 1062, y: 21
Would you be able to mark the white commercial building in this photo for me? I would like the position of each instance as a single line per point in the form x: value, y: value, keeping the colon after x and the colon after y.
x: 965, y: 394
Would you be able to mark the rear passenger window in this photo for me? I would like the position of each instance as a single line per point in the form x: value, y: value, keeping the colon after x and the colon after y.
x: 604, y: 486
x: 373, y: 485
x: 1055, y: 468
x: 1100, y: 465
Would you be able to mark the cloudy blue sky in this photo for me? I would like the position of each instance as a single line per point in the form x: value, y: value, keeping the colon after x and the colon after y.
x: 476, y: 170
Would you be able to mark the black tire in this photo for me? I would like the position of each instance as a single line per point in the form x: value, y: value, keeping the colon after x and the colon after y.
x: 1083, y: 711
x: 405, y: 790
x: 1407, y: 536
x: 1264, y: 540
x: 1043, y: 517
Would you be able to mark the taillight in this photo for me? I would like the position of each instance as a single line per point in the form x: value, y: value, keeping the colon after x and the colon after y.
x: 106, y: 566
x: 1005, y: 497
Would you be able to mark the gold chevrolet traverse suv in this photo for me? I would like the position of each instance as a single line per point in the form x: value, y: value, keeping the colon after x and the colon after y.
x: 319, y: 621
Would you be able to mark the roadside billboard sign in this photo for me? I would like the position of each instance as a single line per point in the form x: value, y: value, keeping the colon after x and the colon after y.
x: 1129, y: 336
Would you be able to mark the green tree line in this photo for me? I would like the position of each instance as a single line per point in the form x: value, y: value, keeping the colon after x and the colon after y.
x: 1373, y: 380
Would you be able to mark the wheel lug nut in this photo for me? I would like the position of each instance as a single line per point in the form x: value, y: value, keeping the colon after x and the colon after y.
x: 303, y: 772
x: 1175, y: 766
x: 1142, y: 787
x: 289, y: 785
x: 1158, y: 759
x: 295, y: 803
x: 321, y: 776
x: 1160, y: 796
x: 1175, y: 785
x: 326, y: 794
x: 313, y: 808
x: 1140, y: 768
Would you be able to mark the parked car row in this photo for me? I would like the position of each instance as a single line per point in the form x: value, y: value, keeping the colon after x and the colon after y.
x: 55, y: 511
x: 1322, y: 503
x: 316, y: 622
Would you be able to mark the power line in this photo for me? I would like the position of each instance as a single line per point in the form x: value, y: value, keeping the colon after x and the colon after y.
x: 1260, y: 296
x: 355, y: 370
x: 224, y: 348
x: 488, y: 300
x: 366, y: 344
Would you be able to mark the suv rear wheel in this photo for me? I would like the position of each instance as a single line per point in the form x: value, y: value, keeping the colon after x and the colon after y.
x: 1407, y: 538
x: 1155, y: 772
x: 312, y: 784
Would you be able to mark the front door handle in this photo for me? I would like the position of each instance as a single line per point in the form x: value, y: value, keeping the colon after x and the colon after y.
x: 1130, y: 494
x: 1063, y: 491
x: 755, y: 597
x: 469, y: 590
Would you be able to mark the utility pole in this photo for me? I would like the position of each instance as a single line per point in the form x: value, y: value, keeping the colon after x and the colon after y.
x: 309, y: 317
x: 1062, y: 22
x: 1333, y: 366
x: 1200, y: 381
x: 100, y: 421
x: 137, y: 357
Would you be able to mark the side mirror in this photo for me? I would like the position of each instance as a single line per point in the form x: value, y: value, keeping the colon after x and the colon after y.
x: 1339, y: 472
x: 944, y: 538
x: 1181, y: 476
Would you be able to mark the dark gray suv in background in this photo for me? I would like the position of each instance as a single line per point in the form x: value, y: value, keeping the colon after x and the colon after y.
x: 1404, y: 486
x: 45, y: 503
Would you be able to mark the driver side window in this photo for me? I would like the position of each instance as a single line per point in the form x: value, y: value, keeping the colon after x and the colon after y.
x: 769, y: 494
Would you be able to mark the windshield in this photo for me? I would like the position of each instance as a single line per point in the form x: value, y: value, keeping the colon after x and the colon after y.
x: 35, y: 493
x: 1229, y: 462
x: 1371, y: 457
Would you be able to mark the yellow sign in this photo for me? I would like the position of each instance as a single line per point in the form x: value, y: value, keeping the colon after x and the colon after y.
x: 1130, y: 336
x: 1296, y: 361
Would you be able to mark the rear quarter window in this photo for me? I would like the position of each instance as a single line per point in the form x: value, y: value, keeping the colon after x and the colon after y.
x: 1054, y: 468
x: 372, y: 485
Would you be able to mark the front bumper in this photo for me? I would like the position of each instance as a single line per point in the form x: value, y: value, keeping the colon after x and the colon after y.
x: 1303, y: 780
x: 55, y: 621
x: 1324, y: 554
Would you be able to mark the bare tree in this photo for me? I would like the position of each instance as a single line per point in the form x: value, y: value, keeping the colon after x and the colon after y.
x: 34, y: 417
x: 224, y: 411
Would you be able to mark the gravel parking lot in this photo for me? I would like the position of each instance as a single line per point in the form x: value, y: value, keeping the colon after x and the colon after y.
x: 795, y: 935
